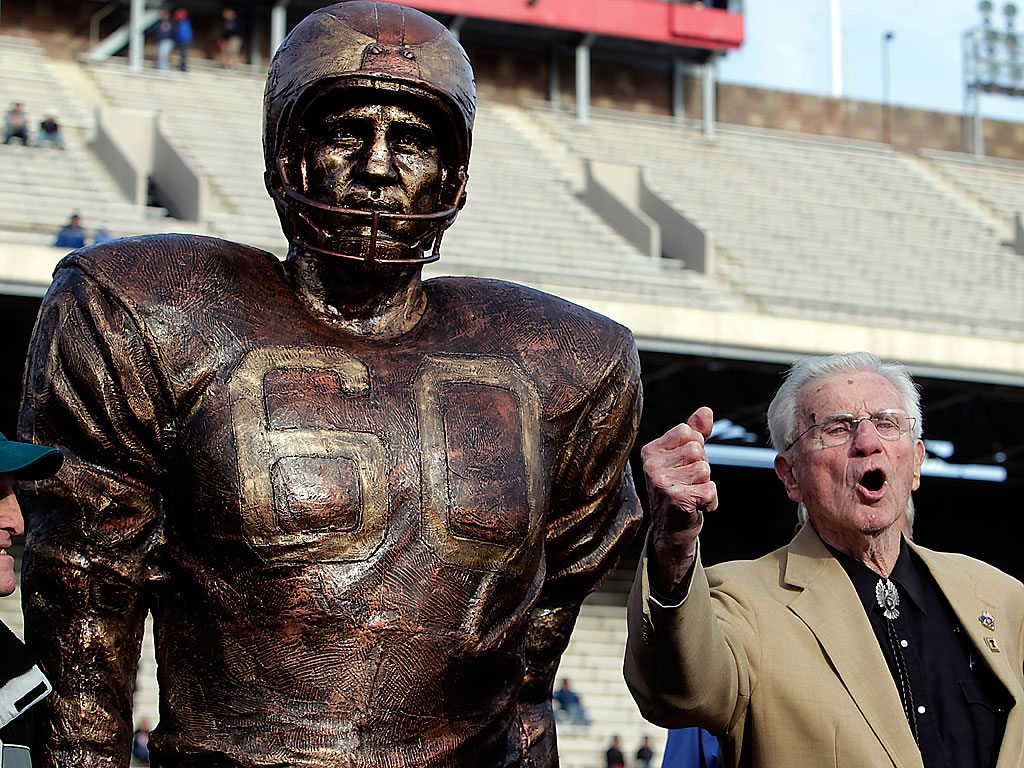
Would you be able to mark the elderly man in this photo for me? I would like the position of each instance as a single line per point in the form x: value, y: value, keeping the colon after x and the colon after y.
x: 362, y: 507
x: 850, y: 646
x: 22, y: 684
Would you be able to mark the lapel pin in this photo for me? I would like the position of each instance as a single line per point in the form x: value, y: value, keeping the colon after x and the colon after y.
x: 988, y: 621
x: 992, y: 645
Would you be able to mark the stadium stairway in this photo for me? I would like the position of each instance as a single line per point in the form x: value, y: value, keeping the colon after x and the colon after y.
x: 997, y: 184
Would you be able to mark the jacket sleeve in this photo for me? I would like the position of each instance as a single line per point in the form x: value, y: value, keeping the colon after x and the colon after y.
x: 93, y: 531
x: 695, y: 663
x: 595, y: 513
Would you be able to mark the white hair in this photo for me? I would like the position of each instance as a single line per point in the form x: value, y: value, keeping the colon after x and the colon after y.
x: 782, y: 413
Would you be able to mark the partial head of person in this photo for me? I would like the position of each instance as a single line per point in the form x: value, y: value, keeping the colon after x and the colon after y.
x: 368, y: 120
x: 847, y: 429
x: 18, y: 461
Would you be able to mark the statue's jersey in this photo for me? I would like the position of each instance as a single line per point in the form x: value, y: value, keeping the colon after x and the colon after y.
x: 356, y: 552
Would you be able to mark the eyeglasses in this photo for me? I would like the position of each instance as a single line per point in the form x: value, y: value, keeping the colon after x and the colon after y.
x: 840, y: 429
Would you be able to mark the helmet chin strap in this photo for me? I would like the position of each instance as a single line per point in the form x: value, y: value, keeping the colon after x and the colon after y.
x: 376, y: 250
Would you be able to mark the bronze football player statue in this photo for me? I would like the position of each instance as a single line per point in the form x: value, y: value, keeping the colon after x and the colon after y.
x: 363, y: 508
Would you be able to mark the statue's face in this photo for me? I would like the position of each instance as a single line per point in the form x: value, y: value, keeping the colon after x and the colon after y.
x: 375, y: 157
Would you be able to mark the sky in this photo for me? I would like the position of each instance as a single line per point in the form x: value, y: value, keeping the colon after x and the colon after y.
x: 787, y: 47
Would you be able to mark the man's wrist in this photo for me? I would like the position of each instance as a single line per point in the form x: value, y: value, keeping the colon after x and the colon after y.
x: 670, y: 565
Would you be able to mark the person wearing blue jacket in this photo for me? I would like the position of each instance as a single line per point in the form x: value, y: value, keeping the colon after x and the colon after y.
x: 182, y: 36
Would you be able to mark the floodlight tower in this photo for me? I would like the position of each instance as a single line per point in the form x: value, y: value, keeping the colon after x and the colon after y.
x: 992, y: 64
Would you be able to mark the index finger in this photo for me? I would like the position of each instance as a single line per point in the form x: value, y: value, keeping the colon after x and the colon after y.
x: 679, y: 435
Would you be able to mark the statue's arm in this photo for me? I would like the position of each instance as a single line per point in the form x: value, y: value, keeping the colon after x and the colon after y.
x: 92, y: 531
x: 595, y: 513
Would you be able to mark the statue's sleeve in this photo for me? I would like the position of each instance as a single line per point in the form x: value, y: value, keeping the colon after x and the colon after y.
x: 94, y: 530
x: 595, y: 513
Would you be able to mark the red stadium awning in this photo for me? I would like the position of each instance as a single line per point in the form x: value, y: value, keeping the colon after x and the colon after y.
x: 655, y: 21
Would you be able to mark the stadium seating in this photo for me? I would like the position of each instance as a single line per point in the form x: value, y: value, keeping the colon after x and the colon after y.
x: 68, y: 181
x: 814, y: 228
x: 593, y: 664
x: 998, y: 183
x: 803, y: 227
x: 522, y: 222
x: 27, y: 76
x: 819, y: 228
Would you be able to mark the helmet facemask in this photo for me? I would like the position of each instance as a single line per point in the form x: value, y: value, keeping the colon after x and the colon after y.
x: 345, y: 219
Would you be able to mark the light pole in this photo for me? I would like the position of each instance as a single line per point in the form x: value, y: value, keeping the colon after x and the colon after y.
x: 886, y: 106
x: 992, y: 64
x: 836, y: 37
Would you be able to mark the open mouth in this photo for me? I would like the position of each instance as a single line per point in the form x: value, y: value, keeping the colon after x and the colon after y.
x: 873, y: 480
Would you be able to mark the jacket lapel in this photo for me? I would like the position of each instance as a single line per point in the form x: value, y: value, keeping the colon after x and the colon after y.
x: 961, y: 590
x: 829, y: 606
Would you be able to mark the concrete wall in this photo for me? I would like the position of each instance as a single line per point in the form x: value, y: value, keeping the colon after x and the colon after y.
x: 612, y: 191
x: 681, y: 239
x: 513, y: 77
x: 124, y: 144
x: 619, y: 194
x: 182, y: 189
x: 133, y: 149
x: 26, y: 270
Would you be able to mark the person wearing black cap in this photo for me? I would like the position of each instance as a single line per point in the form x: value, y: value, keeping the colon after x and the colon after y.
x: 22, y: 683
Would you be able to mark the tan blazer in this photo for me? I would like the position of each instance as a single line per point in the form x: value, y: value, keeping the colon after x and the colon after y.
x: 777, y: 657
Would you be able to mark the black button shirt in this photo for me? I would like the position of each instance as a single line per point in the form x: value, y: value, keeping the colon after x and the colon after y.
x: 959, y: 704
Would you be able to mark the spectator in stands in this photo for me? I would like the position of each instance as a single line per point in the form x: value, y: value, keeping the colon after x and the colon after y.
x: 16, y: 124
x: 569, y: 702
x: 231, y: 39
x: 163, y: 31
x: 22, y: 683
x: 645, y: 754
x: 140, y: 743
x: 182, y: 37
x: 49, y: 132
x: 101, y: 235
x: 613, y: 756
x: 851, y: 627
x: 71, y: 235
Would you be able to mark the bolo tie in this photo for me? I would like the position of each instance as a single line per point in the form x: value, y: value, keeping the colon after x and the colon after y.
x: 888, y: 598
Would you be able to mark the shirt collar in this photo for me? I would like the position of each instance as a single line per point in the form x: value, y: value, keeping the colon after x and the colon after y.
x: 906, y: 573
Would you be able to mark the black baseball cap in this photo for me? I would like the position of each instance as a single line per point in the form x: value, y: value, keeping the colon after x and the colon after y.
x: 27, y: 461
